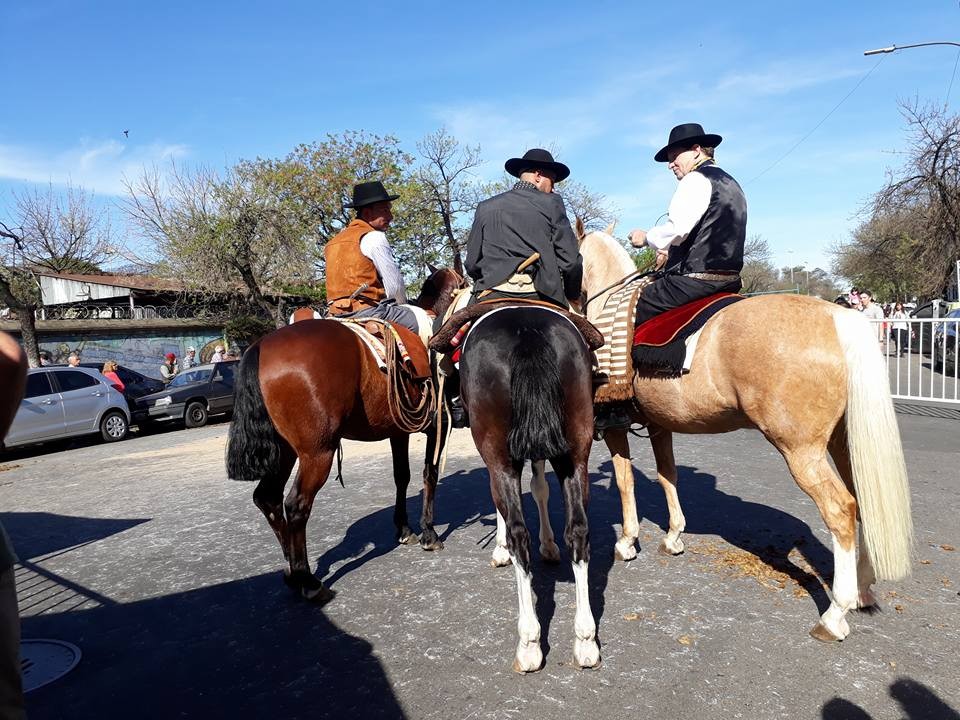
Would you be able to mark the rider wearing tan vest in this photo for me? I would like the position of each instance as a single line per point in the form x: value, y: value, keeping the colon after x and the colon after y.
x: 363, y: 278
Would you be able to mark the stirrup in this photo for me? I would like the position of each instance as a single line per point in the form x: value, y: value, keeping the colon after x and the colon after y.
x: 611, y: 416
x: 458, y: 414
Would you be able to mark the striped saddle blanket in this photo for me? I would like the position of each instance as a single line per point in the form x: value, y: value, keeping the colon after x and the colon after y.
x: 613, y: 374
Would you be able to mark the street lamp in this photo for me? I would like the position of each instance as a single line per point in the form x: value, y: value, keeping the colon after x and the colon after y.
x: 894, y: 48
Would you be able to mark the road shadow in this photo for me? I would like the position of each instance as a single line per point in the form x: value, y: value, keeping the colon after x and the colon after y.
x: 917, y: 701
x: 247, y: 648
x: 38, y: 534
x: 763, y: 531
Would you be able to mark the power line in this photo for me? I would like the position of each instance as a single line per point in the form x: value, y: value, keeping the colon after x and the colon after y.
x: 815, y: 127
x: 950, y: 86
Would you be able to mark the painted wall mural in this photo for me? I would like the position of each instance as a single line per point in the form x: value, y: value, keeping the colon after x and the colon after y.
x: 140, y: 350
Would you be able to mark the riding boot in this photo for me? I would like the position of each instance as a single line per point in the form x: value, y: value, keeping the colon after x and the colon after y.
x: 458, y: 413
x: 611, y: 415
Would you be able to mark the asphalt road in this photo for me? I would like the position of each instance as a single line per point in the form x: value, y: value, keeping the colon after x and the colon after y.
x: 168, y: 579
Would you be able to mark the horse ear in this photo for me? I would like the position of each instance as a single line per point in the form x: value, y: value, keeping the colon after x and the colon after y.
x: 610, y: 228
x: 433, y: 270
x: 579, y: 229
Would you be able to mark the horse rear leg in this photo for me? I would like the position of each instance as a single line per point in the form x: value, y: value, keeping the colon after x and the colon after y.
x: 505, y: 488
x: 617, y: 443
x: 400, y: 446
x: 549, y: 551
x: 575, y: 480
x: 313, y: 473
x: 838, y: 508
x: 662, y: 442
x: 866, y: 577
x: 269, y: 498
x: 429, y: 540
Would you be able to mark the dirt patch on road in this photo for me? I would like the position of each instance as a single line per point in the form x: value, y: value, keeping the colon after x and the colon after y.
x: 769, y: 567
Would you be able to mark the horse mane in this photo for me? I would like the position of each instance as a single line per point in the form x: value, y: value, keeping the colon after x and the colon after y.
x: 437, y: 291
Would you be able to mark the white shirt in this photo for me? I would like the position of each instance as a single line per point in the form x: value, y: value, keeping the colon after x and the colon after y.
x: 688, y: 205
x: 374, y: 245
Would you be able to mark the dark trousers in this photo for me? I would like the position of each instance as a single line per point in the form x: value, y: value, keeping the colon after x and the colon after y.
x: 672, y: 291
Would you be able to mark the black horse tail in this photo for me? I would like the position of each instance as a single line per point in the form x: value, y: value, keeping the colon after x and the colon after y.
x: 536, y: 399
x: 253, y: 449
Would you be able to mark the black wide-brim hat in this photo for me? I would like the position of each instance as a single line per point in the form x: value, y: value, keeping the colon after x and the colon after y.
x: 536, y: 159
x: 369, y: 193
x: 685, y: 136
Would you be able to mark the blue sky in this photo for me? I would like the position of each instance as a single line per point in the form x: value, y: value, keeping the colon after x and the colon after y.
x: 214, y: 82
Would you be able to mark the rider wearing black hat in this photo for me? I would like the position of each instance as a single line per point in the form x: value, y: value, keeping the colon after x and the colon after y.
x: 701, y: 243
x: 510, y: 227
x: 363, y: 278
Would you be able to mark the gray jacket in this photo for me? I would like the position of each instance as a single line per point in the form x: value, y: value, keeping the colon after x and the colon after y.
x: 509, y: 227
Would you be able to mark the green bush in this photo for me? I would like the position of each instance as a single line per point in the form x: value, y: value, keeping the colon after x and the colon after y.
x: 246, y: 329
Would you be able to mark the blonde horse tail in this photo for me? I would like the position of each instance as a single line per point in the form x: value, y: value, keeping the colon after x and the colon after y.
x: 876, y: 455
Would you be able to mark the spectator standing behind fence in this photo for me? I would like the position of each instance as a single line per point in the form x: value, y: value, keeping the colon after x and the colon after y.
x: 110, y: 373
x: 190, y: 359
x: 872, y: 311
x: 900, y: 325
x: 13, y: 372
x: 170, y: 368
x: 73, y: 360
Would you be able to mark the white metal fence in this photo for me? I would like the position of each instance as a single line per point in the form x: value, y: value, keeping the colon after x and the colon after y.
x: 921, y: 358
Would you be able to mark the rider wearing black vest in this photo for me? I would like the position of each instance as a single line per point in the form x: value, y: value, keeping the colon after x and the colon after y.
x: 700, y: 246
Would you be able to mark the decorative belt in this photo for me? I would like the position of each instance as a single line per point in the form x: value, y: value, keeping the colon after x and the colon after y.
x: 716, y: 275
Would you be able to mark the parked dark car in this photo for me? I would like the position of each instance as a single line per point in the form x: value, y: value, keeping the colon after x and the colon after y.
x: 945, y: 340
x: 192, y: 396
x: 134, y: 384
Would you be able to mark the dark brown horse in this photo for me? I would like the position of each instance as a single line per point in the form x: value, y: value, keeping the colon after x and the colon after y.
x: 299, y: 391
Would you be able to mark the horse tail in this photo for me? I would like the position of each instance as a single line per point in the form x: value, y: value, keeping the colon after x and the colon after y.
x: 876, y: 455
x: 536, y: 401
x: 253, y: 449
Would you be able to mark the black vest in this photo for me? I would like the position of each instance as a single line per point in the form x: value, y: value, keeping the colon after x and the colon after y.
x: 716, y: 241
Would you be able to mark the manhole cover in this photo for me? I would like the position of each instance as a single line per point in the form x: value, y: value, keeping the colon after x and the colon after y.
x: 43, y: 661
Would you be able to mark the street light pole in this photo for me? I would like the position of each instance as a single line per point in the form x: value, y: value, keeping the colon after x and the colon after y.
x: 894, y: 48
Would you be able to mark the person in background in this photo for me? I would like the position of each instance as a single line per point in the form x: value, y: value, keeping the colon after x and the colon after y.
x: 13, y: 374
x: 900, y: 328
x: 190, y: 359
x: 872, y: 311
x: 45, y: 358
x: 217, y: 354
x: 73, y: 360
x: 110, y: 373
x: 170, y: 368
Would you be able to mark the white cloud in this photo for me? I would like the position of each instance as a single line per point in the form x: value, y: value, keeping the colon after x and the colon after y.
x: 97, y: 166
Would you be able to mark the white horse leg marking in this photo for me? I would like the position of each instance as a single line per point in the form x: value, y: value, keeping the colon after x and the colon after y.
x: 529, y: 655
x: 866, y: 576
x: 844, y: 591
x: 586, y: 652
x: 500, y: 555
x: 541, y: 493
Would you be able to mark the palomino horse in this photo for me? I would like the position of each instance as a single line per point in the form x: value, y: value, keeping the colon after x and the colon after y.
x: 525, y: 381
x: 809, y: 376
x: 299, y: 391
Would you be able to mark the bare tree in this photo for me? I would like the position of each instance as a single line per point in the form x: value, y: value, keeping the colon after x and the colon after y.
x: 446, y: 175
x: 591, y: 207
x: 52, y: 232
x: 912, y: 235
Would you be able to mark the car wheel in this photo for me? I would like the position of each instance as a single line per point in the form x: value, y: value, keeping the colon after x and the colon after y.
x: 114, y: 426
x: 196, y: 415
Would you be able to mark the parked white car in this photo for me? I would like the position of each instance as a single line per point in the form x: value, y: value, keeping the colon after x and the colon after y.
x: 62, y: 402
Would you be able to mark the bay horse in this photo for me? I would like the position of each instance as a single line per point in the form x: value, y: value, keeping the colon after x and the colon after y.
x: 525, y: 381
x: 299, y: 391
x: 809, y: 376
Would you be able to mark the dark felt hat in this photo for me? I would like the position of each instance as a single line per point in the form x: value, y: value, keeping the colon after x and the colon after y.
x: 369, y: 193
x: 685, y: 136
x: 536, y: 159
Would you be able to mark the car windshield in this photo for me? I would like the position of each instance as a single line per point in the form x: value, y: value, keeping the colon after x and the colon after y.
x: 191, y: 376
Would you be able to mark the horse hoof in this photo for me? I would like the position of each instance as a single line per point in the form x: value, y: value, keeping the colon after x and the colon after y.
x: 623, y: 551
x: 867, y: 601
x: 529, y: 660
x: 431, y: 545
x: 407, y: 537
x: 586, y: 654
x: 550, y: 554
x: 670, y: 548
x: 501, y: 558
x: 823, y: 634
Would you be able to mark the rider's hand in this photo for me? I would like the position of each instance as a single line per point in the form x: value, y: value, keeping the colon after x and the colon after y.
x: 661, y: 259
x: 638, y: 238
